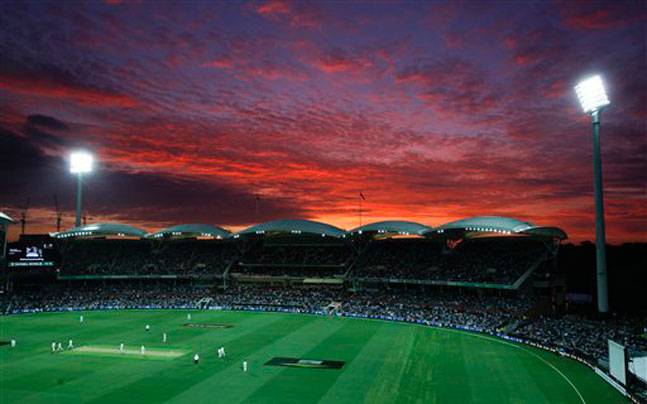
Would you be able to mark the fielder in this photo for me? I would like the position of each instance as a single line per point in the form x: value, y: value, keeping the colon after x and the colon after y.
x: 121, y: 347
x: 70, y: 345
x: 53, y: 347
x: 13, y: 343
x: 196, y: 358
x: 148, y: 327
x: 188, y: 316
x: 81, y: 319
x: 59, y: 347
x: 245, y: 366
x: 164, y: 337
x: 142, y: 350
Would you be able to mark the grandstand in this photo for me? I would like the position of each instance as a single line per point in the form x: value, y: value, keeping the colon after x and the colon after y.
x: 482, y: 251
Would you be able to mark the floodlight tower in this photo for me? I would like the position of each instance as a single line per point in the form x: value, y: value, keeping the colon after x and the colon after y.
x: 80, y: 163
x: 593, y: 99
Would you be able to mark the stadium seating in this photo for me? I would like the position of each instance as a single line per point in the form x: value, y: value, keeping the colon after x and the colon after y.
x: 144, y: 257
x: 490, y: 260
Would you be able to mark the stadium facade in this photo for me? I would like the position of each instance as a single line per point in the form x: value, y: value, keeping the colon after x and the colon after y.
x: 469, y: 227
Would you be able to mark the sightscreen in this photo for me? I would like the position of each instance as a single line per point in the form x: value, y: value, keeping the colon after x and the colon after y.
x: 617, y: 362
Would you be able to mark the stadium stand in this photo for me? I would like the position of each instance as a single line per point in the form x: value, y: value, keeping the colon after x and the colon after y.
x: 90, y: 257
x: 488, y: 260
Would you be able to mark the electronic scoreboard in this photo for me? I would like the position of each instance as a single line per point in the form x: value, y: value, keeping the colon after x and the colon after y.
x: 33, y: 251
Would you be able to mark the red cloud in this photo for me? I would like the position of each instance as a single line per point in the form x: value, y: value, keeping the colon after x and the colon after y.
x: 274, y: 7
x: 81, y: 95
x: 338, y: 61
x: 614, y: 15
x: 453, y: 40
x: 452, y: 87
x: 525, y: 59
x: 510, y: 42
x: 220, y: 63
x: 556, y: 89
x: 298, y: 14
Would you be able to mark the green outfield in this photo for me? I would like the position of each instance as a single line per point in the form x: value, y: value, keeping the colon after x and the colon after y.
x: 383, y: 362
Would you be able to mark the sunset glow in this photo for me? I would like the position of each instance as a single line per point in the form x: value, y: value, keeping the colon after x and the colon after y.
x: 234, y: 113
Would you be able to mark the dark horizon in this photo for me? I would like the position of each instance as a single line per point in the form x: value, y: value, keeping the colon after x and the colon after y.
x: 434, y: 111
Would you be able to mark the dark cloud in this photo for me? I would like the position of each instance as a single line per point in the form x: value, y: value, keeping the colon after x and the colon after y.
x: 46, y: 122
x: 154, y: 197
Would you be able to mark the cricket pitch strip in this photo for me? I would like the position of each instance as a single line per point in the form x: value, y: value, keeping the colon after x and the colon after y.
x: 128, y: 352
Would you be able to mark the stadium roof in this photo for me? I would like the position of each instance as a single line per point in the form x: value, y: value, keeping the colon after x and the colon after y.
x: 502, y: 225
x: 102, y: 229
x: 393, y: 227
x: 5, y: 219
x: 469, y: 227
x: 191, y: 230
x: 294, y: 226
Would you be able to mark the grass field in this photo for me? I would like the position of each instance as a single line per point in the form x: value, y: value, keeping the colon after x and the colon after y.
x: 384, y: 362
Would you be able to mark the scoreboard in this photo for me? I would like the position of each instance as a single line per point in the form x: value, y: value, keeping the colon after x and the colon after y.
x: 33, y: 251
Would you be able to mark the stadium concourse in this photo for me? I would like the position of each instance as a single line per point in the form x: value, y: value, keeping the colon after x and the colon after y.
x: 486, y: 274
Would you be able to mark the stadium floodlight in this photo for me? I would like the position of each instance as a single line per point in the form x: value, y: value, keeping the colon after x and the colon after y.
x: 593, y: 99
x: 81, y: 162
x: 591, y: 94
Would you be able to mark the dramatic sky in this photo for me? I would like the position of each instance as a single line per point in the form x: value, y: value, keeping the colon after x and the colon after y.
x: 435, y: 111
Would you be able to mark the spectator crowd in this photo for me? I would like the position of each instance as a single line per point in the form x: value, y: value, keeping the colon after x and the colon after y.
x: 495, y: 260
x: 499, y: 314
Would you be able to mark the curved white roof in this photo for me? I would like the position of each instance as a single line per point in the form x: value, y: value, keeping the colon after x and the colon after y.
x: 102, y: 229
x: 4, y: 218
x: 393, y: 227
x: 294, y: 226
x: 191, y: 230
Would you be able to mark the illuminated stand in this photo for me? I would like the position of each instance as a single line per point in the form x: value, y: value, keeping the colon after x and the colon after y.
x: 593, y: 99
x: 80, y: 163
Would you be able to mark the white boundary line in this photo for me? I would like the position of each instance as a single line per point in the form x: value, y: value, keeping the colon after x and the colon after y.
x: 476, y: 335
x: 472, y: 334
x: 530, y: 352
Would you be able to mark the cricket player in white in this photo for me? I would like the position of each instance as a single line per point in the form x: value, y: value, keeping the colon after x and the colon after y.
x: 196, y: 358
x: 188, y: 316
x: 59, y: 347
x: 13, y: 343
x: 148, y: 327
x: 223, y: 351
x: 219, y: 352
x: 121, y: 347
x: 245, y: 366
x: 164, y: 337
x: 142, y: 350
x: 53, y: 347
x: 70, y: 345
x: 81, y: 319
